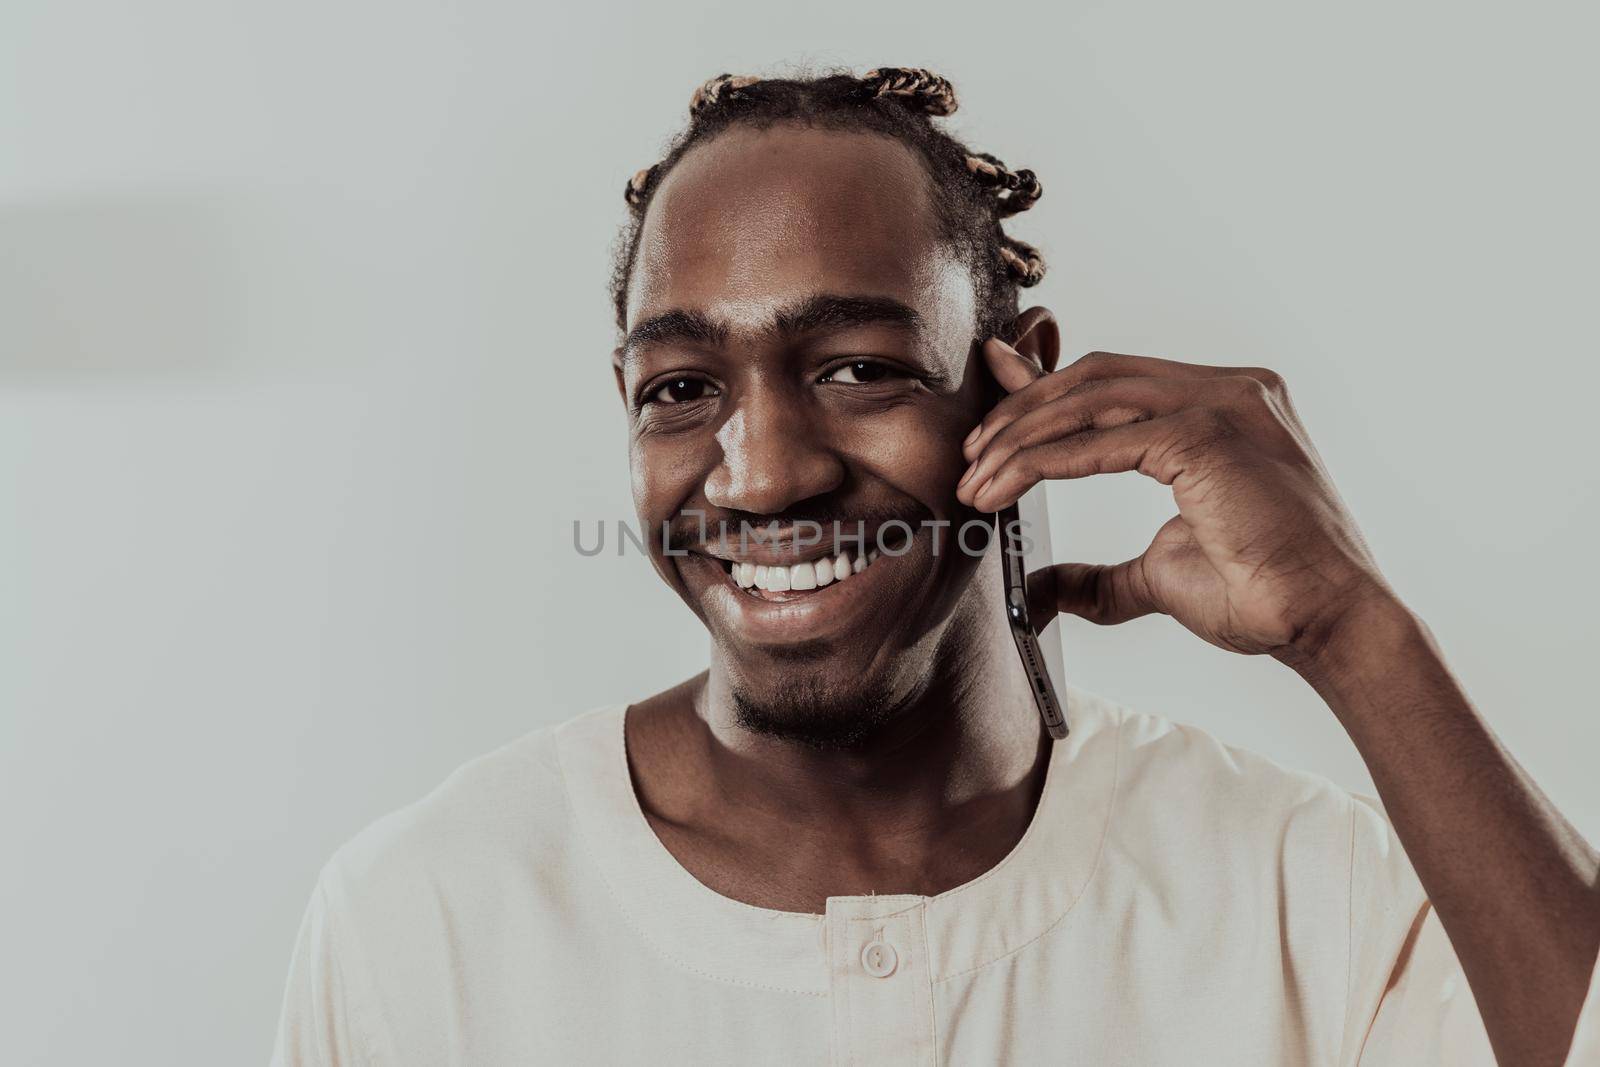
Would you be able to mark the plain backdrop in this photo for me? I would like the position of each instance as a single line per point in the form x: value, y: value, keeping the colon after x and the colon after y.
x: 304, y: 348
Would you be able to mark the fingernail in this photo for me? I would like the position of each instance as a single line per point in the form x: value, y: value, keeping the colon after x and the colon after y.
x: 973, y: 436
x: 967, y: 477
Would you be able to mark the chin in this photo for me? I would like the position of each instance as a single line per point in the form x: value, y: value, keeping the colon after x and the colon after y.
x: 817, y: 709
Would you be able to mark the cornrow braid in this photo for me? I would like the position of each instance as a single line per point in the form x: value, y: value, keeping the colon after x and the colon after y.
x: 972, y: 192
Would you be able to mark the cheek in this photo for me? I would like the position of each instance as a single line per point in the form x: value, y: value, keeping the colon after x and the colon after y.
x: 916, y: 448
x: 665, y: 475
x: 666, y: 472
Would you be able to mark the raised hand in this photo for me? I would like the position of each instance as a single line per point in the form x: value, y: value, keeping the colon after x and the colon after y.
x: 1262, y: 557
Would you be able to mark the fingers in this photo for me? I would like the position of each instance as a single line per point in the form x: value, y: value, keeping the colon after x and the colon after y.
x: 1040, y: 586
x: 1106, y: 594
x: 1042, y: 388
x: 1010, y: 368
x: 1160, y: 448
x: 1100, y: 403
x: 1039, y: 389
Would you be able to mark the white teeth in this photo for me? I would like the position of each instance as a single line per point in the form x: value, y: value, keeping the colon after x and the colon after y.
x: 799, y: 576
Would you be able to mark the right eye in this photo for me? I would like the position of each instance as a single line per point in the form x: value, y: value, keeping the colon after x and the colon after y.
x: 681, y: 391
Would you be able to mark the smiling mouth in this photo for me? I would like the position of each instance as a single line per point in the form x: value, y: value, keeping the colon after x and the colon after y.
x: 780, y: 582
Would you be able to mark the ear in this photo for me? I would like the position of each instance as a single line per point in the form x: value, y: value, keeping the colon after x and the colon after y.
x: 1034, y: 334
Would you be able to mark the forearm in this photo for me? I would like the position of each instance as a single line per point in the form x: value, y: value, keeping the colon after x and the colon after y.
x: 1514, y: 884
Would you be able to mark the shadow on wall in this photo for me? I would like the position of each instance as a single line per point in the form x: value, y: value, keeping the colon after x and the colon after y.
x: 117, y: 291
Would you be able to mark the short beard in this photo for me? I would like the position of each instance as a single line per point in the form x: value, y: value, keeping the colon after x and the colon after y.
x: 807, y: 712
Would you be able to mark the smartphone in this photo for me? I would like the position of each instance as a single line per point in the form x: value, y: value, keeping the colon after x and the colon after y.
x: 1024, y: 529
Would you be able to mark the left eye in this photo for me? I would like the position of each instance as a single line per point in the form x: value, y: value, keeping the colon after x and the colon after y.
x: 862, y: 372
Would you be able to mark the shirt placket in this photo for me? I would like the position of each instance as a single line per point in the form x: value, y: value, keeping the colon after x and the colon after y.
x: 879, y: 980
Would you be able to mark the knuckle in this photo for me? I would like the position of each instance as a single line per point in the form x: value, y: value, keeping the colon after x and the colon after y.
x: 1022, y: 466
x: 1093, y: 360
x: 1005, y: 441
x: 1250, y: 389
x: 995, y: 422
x: 1075, y: 447
x: 1092, y: 385
x: 1037, y: 425
x: 1269, y: 379
x: 1098, y: 601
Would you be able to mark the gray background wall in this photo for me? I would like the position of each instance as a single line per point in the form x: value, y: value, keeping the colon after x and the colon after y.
x: 303, y: 346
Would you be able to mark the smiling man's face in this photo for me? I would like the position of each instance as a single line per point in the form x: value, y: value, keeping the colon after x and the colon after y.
x: 800, y: 348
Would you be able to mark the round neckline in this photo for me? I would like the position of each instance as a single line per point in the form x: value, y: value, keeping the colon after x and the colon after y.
x: 968, y: 926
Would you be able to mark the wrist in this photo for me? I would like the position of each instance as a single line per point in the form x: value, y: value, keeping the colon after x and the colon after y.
x: 1366, y: 638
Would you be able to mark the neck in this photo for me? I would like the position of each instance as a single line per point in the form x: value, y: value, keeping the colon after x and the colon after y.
x: 935, y: 798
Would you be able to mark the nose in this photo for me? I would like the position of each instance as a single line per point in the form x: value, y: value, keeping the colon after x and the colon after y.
x: 774, y: 454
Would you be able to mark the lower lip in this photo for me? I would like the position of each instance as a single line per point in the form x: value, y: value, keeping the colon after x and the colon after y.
x: 803, y: 616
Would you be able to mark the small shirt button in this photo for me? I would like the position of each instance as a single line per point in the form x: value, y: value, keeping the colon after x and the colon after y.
x: 879, y: 959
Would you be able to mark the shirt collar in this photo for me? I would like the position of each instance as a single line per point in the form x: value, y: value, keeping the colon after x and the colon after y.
x: 1014, y: 903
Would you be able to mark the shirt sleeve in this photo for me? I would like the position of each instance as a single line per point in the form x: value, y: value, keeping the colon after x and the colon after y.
x: 1585, y: 1050
x: 1408, y: 1001
x: 316, y: 1027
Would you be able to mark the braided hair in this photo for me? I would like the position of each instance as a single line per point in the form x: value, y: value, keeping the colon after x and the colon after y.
x: 972, y: 191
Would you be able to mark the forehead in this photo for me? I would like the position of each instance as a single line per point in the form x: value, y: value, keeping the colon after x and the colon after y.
x: 756, y: 219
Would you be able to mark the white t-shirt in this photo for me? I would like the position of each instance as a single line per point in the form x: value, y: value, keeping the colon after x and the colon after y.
x: 1173, y: 901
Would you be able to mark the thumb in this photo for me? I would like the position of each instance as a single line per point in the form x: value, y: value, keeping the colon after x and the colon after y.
x: 1105, y: 594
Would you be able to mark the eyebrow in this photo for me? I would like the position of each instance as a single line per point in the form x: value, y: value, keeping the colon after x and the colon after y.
x: 822, y: 313
x: 675, y: 327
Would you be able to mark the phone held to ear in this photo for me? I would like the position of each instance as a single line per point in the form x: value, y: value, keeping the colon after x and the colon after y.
x: 1024, y: 529
x: 1024, y: 532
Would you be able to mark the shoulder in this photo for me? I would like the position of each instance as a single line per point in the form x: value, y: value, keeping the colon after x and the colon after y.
x: 503, y: 815
x: 1160, y: 758
x: 425, y: 903
x: 1221, y: 811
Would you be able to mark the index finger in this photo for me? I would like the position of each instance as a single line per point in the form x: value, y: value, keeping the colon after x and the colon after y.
x: 1041, y: 388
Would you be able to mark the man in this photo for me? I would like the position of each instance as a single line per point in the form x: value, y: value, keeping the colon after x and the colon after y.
x: 847, y: 840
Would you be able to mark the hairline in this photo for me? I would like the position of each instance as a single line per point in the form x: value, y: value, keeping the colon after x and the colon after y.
x: 946, y: 234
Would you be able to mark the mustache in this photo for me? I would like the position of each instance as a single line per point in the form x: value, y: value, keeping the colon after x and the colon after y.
x: 818, y: 520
